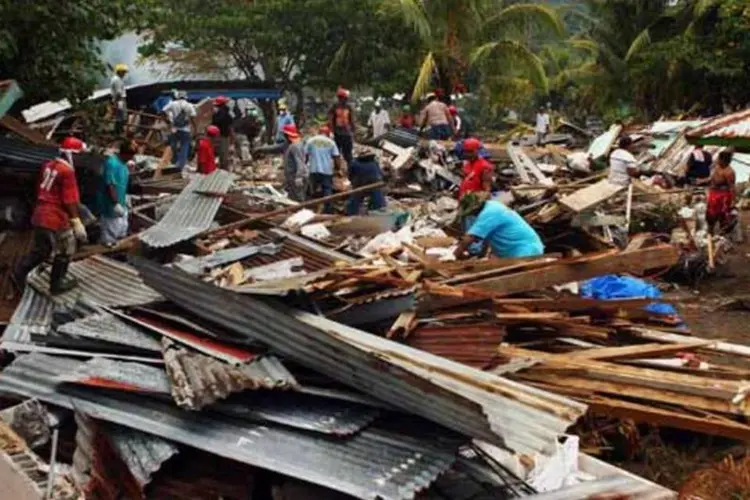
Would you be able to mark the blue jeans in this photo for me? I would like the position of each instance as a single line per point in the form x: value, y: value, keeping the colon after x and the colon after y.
x: 179, y: 141
x: 440, y: 132
x: 322, y: 186
x: 376, y: 201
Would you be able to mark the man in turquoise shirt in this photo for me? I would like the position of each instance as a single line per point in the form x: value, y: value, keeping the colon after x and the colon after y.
x: 111, y: 196
x: 506, y: 232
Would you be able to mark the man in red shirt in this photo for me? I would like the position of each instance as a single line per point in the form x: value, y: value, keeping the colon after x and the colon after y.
x: 341, y: 120
x: 57, y: 223
x: 478, y: 172
x: 206, y: 156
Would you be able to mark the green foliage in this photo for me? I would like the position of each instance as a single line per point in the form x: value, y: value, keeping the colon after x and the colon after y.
x: 50, y: 46
x: 288, y: 43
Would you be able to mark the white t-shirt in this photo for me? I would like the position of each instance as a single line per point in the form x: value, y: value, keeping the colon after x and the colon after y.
x: 542, y: 123
x: 177, y: 110
x: 379, y: 122
x: 619, y: 162
x: 117, y: 87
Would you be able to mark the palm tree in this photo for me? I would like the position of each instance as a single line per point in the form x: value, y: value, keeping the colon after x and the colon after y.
x: 492, y: 35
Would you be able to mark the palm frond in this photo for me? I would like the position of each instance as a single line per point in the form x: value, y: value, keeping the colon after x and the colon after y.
x: 516, y: 56
x: 424, y: 79
x: 528, y: 14
x: 700, y: 9
x: 413, y: 14
x: 584, y: 44
x: 642, y: 41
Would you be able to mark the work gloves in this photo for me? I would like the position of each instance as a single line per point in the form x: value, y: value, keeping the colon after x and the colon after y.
x: 79, y: 230
x: 119, y: 210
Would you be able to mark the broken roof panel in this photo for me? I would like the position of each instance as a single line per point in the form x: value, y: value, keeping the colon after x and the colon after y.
x: 101, y: 282
x: 142, y: 453
x: 727, y: 130
x: 385, y: 461
x: 32, y: 316
x: 466, y: 400
x: 197, y: 380
x: 201, y: 265
x: 301, y: 411
x: 108, y: 374
x: 108, y: 328
x: 192, y: 212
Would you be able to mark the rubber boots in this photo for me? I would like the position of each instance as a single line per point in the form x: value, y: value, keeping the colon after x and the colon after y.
x: 57, y: 282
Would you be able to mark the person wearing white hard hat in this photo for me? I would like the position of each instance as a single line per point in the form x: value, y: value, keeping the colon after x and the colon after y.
x: 56, y: 219
x: 117, y: 89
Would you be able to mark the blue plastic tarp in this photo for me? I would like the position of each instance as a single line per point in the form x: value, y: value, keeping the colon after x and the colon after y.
x: 611, y: 287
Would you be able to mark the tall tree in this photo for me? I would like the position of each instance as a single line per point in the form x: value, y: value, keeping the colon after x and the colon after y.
x: 495, y: 34
x: 50, y: 47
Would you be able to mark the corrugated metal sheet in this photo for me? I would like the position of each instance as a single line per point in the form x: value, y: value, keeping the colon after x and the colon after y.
x: 474, y: 344
x: 108, y: 328
x: 730, y: 126
x: 386, y: 462
x: 302, y: 411
x: 469, y: 401
x: 197, y: 380
x: 23, y: 156
x: 32, y: 316
x: 201, y: 265
x: 142, y: 453
x: 191, y: 213
x: 101, y: 282
x: 109, y: 374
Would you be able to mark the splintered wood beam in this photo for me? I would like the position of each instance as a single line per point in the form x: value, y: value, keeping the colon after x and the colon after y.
x: 580, y: 269
x: 638, y: 351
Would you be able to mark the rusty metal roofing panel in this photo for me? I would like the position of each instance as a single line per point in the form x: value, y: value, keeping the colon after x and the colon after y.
x: 192, y: 212
x: 471, y: 344
x: 108, y: 328
x: 733, y: 125
x: 387, y: 461
x: 198, y: 380
x: 101, y: 282
x: 469, y: 401
x: 301, y: 411
x: 32, y: 316
x: 142, y: 453
x: 109, y: 374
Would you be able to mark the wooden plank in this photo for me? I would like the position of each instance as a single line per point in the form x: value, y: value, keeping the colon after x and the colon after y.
x: 720, y: 347
x: 637, y: 351
x: 520, y: 167
x: 18, y: 127
x: 590, y: 196
x: 580, y: 269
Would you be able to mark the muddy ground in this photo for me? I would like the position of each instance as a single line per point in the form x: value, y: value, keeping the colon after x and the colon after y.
x: 719, y: 308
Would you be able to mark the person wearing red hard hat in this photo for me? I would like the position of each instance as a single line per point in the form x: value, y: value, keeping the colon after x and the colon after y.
x: 224, y: 120
x: 206, y: 157
x: 322, y: 157
x: 295, y: 169
x: 478, y: 172
x: 341, y: 121
x: 56, y: 219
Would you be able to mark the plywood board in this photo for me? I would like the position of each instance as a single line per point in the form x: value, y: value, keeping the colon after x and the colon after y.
x: 590, y: 196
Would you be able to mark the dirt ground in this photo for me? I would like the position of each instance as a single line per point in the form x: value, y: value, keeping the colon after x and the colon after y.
x: 718, y: 309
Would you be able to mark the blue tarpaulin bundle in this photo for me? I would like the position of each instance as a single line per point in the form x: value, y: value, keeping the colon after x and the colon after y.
x: 625, y: 287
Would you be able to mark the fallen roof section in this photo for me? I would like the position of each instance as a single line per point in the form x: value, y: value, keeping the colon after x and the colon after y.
x: 466, y: 400
x: 142, y: 453
x: 726, y: 130
x: 101, y: 282
x: 108, y: 328
x: 32, y: 316
x: 377, y: 463
x: 192, y: 212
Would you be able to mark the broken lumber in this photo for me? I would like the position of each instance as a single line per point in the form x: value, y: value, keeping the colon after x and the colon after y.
x: 590, y: 196
x: 579, y: 269
x: 631, y: 352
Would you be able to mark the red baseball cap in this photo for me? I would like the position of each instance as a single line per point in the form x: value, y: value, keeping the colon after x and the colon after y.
x: 472, y: 145
x: 212, y: 130
x: 290, y: 130
x: 221, y: 100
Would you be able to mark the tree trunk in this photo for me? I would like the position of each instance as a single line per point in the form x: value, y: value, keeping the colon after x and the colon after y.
x: 268, y: 107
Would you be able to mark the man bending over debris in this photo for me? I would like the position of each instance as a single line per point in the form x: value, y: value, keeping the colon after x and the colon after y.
x: 110, y: 197
x: 365, y: 170
x: 499, y: 227
x: 478, y: 171
x: 622, y: 164
x: 56, y: 220
x: 437, y: 115
x: 295, y: 169
x: 322, y: 154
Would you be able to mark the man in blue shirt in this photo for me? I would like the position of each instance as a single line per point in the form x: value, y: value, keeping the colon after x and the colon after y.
x: 111, y: 196
x: 364, y: 171
x: 322, y: 154
x: 285, y: 118
x: 499, y: 227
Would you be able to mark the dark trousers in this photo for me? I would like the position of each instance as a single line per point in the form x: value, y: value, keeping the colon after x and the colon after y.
x: 376, y: 201
x: 322, y: 186
x: 121, y: 117
x: 440, y: 132
x: 345, y: 143
x: 46, y: 242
